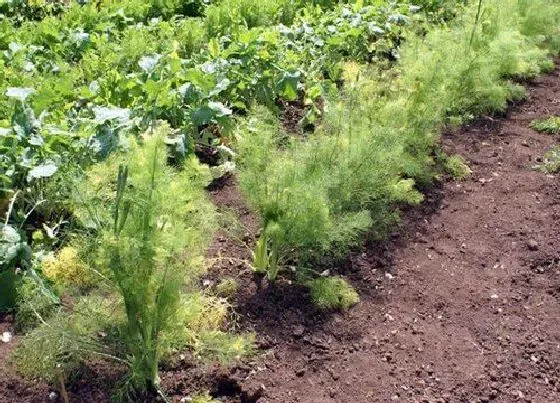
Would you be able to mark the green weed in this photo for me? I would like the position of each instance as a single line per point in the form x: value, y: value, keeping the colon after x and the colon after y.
x: 456, y: 166
x: 551, y: 161
x: 227, y: 288
x: 333, y: 293
x: 549, y: 125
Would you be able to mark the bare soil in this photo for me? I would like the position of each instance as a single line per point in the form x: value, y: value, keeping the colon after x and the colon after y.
x: 461, y: 304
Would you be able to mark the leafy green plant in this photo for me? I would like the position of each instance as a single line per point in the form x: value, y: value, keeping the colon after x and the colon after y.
x: 333, y: 293
x: 227, y: 287
x: 550, y: 161
x: 457, y: 167
x: 147, y: 233
x: 549, y: 125
x: 35, y: 303
x: 26, y: 154
x: 266, y: 254
x: 142, y: 245
x: 15, y: 255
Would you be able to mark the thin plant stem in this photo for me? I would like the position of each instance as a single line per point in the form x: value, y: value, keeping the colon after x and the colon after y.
x: 477, y: 19
x: 11, y: 207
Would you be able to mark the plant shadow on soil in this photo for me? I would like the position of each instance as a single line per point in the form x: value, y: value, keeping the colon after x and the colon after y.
x: 288, y: 326
x: 285, y: 314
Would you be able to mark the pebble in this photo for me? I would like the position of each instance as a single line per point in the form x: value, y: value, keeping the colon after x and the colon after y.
x: 7, y: 337
x: 298, y: 331
x: 389, y: 317
x: 533, y: 245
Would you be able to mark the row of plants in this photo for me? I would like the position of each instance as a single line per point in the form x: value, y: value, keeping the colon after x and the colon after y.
x: 377, y: 143
x: 106, y: 266
x: 121, y: 198
x: 58, y: 69
x: 71, y: 95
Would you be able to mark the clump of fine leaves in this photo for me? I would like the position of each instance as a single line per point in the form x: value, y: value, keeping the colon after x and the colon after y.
x: 333, y: 293
x: 148, y: 228
x: 550, y: 161
x: 549, y: 125
x: 457, y: 167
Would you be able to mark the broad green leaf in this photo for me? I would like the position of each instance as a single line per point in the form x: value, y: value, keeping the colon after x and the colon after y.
x: 103, y: 114
x: 8, y: 285
x: 44, y: 170
x: 220, y: 110
x: 148, y: 63
x: 206, y: 82
x: 288, y: 85
x: 214, y: 47
x: 20, y: 94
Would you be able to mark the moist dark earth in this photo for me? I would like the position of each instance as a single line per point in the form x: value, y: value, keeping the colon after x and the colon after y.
x: 461, y: 304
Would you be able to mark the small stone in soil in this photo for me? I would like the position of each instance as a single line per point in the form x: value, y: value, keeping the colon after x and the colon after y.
x: 298, y: 331
x: 533, y: 245
x: 6, y: 337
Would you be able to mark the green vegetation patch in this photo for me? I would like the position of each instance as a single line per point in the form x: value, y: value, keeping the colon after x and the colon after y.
x: 457, y: 167
x: 549, y: 125
x: 550, y: 161
x: 333, y: 293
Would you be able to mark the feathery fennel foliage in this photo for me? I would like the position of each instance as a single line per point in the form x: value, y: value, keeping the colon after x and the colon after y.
x: 318, y: 196
x: 148, y: 232
x: 153, y: 246
x: 378, y: 139
x: 332, y: 293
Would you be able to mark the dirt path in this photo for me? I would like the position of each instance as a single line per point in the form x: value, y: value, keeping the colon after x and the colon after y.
x: 461, y: 306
